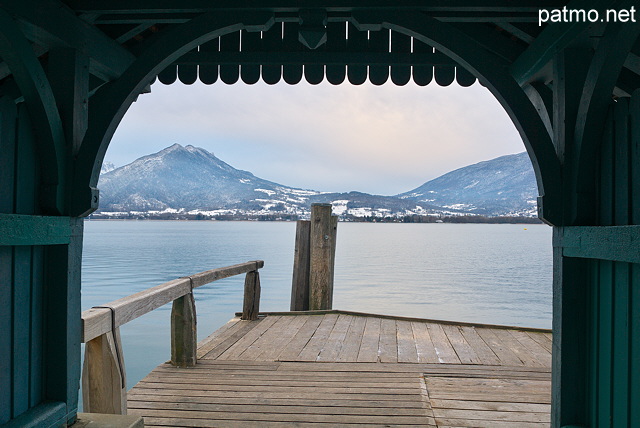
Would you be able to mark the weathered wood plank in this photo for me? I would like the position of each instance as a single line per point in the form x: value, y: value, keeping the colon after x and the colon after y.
x: 315, y: 408
x: 464, y: 351
x: 272, y: 340
x: 215, y: 382
x: 490, y: 405
x: 336, y: 338
x: 368, y: 352
x: 517, y: 348
x: 217, y: 337
x: 315, y: 345
x: 491, y: 415
x: 259, y: 401
x: 388, y: 346
x: 351, y: 345
x: 410, y: 368
x: 299, y: 391
x: 542, y: 340
x: 335, y: 419
x: 536, y: 350
x: 250, y: 376
x: 266, y: 339
x: 183, y: 422
x: 227, y: 340
x: 281, y: 395
x: 450, y: 422
x: 506, y: 355
x: 407, y: 352
x: 291, y: 351
x: 443, y: 348
x: 233, y: 352
x: 424, y: 345
x: 481, y: 349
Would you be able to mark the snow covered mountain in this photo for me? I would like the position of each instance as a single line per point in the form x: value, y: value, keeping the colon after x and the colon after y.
x: 501, y: 186
x: 191, y: 180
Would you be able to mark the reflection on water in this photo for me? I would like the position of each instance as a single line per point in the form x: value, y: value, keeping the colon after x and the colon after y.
x: 498, y: 274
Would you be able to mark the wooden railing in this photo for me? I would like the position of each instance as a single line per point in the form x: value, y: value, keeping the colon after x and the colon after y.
x: 103, y: 373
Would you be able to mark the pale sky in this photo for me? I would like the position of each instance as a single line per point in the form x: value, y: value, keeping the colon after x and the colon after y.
x: 376, y: 139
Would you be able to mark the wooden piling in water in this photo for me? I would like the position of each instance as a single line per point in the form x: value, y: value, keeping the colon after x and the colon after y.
x: 300, y: 283
x: 322, y: 256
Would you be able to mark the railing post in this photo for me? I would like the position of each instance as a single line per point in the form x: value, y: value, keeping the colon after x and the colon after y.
x: 322, y: 256
x: 300, y: 282
x: 251, y: 304
x: 104, y: 383
x: 184, y: 331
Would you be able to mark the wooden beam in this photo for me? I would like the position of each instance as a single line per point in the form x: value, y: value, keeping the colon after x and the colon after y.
x: 201, y: 6
x: 492, y: 40
x: 615, y: 243
x: 554, y: 38
x: 315, y: 57
x: 97, y: 321
x: 51, y: 23
x: 516, y: 31
x: 68, y: 71
x: 32, y: 81
x: 17, y: 229
x: 542, y: 98
x: 596, y: 98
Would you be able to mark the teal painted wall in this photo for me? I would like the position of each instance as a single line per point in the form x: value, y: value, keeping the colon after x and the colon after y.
x: 39, y: 294
x: 614, y: 342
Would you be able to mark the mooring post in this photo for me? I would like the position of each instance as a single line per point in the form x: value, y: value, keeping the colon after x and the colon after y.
x: 300, y: 283
x: 184, y: 331
x: 251, y: 303
x: 322, y: 256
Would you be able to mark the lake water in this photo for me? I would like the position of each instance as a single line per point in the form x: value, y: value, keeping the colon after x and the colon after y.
x: 496, y: 274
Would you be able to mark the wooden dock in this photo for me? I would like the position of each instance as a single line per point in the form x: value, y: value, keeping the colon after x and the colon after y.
x: 335, y: 368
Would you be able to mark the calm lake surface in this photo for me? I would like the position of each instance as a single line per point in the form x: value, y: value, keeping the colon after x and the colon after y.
x: 496, y: 274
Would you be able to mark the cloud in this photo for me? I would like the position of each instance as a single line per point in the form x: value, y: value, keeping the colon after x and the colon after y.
x: 383, y: 140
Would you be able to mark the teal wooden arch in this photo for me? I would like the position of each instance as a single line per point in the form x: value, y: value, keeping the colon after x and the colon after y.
x: 115, y: 98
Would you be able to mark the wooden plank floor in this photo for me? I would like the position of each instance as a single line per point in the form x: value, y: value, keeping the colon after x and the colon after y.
x: 346, y: 369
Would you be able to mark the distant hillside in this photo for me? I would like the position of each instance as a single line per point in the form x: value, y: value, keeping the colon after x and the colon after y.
x: 192, y: 180
x: 501, y: 186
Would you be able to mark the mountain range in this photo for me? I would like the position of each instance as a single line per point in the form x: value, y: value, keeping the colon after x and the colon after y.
x: 192, y: 180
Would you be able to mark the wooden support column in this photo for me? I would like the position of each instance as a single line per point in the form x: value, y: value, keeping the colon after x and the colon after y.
x: 300, y: 283
x: 571, y: 282
x: 251, y: 306
x: 322, y: 256
x: 104, y: 383
x: 184, y: 331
